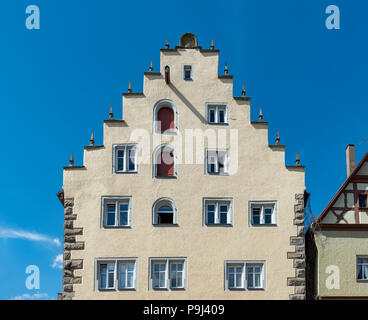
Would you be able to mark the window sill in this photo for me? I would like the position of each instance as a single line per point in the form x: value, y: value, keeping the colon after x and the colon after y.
x: 218, y: 174
x: 263, y: 225
x: 166, y: 177
x: 117, y: 227
x: 256, y: 289
x: 362, y: 280
x: 166, y: 225
x: 126, y: 172
x: 218, y: 124
x: 220, y: 225
x: 236, y: 289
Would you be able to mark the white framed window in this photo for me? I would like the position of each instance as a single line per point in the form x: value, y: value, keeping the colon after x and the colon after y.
x: 263, y: 213
x: 217, y: 114
x: 168, y: 274
x: 362, y: 268
x: 245, y: 275
x: 164, y: 212
x: 116, y: 212
x: 217, y: 161
x: 125, y: 158
x: 116, y: 274
x: 188, y: 72
x: 218, y: 211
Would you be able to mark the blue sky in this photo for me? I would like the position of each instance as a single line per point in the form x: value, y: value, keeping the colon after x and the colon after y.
x: 56, y: 85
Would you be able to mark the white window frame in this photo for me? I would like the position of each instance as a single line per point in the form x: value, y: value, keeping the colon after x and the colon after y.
x: 262, y: 205
x: 191, y: 71
x: 117, y: 201
x: 155, y: 209
x: 169, y: 104
x: 167, y: 262
x: 245, y: 264
x: 217, y: 107
x: 217, y: 202
x: 116, y: 262
x: 154, y: 161
x: 115, y: 149
x: 226, y: 162
x: 357, y: 264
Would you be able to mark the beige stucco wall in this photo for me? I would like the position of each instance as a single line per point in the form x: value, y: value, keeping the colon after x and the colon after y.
x: 261, y: 175
x: 340, y: 249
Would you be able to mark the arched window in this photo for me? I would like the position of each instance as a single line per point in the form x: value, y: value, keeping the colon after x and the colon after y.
x: 164, y: 158
x: 165, y: 117
x: 164, y: 212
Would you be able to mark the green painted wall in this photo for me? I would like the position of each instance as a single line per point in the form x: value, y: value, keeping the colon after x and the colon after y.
x: 340, y: 248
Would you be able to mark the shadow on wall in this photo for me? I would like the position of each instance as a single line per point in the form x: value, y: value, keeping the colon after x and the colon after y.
x: 187, y: 103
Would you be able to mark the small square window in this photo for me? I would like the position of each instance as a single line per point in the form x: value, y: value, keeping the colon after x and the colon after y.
x: 218, y: 212
x: 263, y: 213
x: 116, y: 212
x: 217, y: 114
x: 126, y: 159
x: 217, y: 162
x: 187, y: 73
x: 116, y: 274
x: 244, y: 275
x: 362, y: 268
x: 362, y: 201
x: 168, y: 274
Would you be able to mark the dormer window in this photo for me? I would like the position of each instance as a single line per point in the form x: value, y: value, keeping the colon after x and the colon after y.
x: 188, y: 72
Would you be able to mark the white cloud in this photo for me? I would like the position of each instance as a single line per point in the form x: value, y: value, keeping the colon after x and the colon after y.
x: 35, y: 296
x: 32, y: 236
x: 58, y: 262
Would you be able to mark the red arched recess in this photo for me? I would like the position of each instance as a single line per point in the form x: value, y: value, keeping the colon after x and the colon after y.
x: 165, y: 164
x: 166, y: 117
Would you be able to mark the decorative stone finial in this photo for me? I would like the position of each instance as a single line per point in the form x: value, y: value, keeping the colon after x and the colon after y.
x: 92, y: 140
x: 71, y: 161
x: 297, y: 160
x: 111, y: 114
x: 260, y: 117
x: 212, y: 45
x: 243, y: 91
x: 278, y: 138
x: 130, y: 87
x: 226, y: 71
x: 167, y: 46
x: 151, y: 67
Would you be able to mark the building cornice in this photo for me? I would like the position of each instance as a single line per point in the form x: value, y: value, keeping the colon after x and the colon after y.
x: 93, y: 147
x: 242, y: 98
x: 133, y: 94
x: 340, y: 227
x: 71, y: 168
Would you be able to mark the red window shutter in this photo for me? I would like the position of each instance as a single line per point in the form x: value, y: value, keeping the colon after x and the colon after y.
x: 166, y: 117
x: 165, y: 164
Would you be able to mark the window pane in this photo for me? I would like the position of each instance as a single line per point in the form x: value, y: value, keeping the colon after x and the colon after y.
x: 111, y: 279
x: 362, y: 201
x: 268, y: 218
x: 103, y: 274
x: 123, y: 214
x: 211, y: 115
x: 131, y: 155
x: 223, y: 214
x: 130, y: 279
x: 110, y: 221
x: 221, y: 116
x: 256, y: 216
x: 121, y: 157
x: 231, y: 280
x: 211, y: 209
